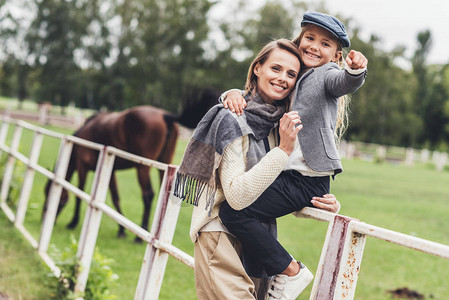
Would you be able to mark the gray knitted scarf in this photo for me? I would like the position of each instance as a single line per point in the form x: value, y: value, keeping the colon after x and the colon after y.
x: 218, y: 128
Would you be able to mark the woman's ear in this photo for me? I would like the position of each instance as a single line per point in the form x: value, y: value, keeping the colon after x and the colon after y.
x: 256, y: 70
x: 338, y: 55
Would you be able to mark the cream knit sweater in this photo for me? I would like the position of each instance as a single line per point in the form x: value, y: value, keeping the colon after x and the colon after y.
x: 236, y: 186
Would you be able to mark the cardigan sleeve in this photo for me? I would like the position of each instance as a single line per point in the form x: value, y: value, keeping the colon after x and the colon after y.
x: 242, y: 188
x: 341, y: 82
x: 223, y: 96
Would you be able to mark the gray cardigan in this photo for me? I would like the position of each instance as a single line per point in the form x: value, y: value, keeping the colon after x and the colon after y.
x: 316, y: 101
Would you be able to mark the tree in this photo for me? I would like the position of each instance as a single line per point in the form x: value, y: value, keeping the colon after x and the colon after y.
x: 382, y: 110
x: 244, y: 37
x: 445, y: 84
x: 160, y: 50
x: 273, y: 21
x: 61, y: 40
x: 422, y: 95
x: 96, y: 49
x: 435, y: 118
x: 15, y: 68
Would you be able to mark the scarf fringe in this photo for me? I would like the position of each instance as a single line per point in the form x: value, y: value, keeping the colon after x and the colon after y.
x: 189, y: 190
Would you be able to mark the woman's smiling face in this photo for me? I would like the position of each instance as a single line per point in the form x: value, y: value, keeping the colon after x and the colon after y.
x: 318, y: 47
x: 276, y: 77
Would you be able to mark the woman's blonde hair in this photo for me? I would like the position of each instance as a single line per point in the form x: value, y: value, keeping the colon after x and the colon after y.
x: 344, y: 101
x: 261, y: 58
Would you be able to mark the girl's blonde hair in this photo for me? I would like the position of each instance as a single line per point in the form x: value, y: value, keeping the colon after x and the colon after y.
x: 343, y: 102
x: 261, y: 58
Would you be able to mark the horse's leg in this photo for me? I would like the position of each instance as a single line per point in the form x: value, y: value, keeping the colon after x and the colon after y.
x: 143, y: 174
x: 116, y: 201
x: 82, y: 174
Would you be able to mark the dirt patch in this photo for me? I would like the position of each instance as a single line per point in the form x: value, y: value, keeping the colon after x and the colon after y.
x: 405, y: 293
x: 4, y: 297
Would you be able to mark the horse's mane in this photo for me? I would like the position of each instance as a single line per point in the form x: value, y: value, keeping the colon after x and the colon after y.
x: 88, y: 120
x: 92, y: 117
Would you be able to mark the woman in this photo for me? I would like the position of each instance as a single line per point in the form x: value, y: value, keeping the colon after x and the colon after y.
x: 229, y: 158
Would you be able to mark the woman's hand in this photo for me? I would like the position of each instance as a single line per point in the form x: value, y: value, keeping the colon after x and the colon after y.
x: 235, y: 102
x: 327, y: 202
x: 288, y: 131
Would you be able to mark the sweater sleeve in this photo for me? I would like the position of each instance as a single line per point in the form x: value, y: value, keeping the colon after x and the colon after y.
x: 242, y: 188
x: 342, y: 82
x: 223, y: 96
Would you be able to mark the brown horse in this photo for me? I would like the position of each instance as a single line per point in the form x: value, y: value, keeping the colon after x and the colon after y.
x: 145, y: 131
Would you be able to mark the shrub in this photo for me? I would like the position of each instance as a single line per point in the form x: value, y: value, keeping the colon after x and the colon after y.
x: 101, y: 276
x: 16, y: 181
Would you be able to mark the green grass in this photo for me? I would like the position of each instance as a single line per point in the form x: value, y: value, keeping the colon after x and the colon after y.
x: 411, y: 200
x: 408, y: 200
x: 22, y: 273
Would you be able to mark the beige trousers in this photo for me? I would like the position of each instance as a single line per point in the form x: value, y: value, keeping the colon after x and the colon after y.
x: 219, y: 273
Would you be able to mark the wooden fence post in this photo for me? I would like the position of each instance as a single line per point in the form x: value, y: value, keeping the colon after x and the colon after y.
x: 162, y: 230
x: 9, y: 167
x: 409, y: 157
x: 92, y: 218
x: 29, y: 178
x: 48, y: 221
x: 3, y: 134
x: 381, y: 153
x: 440, y: 161
x: 350, y: 151
x: 425, y: 154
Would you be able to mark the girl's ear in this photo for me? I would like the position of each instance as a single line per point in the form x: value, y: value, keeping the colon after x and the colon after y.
x: 338, y: 55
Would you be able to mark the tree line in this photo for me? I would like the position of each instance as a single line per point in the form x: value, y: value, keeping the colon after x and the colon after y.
x: 116, y: 54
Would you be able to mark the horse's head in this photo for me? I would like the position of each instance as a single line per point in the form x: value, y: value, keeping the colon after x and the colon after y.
x: 62, y: 201
x: 196, y: 106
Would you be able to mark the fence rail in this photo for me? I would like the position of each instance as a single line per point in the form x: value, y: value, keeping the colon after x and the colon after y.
x: 158, y: 239
x: 394, y: 154
x: 340, y: 260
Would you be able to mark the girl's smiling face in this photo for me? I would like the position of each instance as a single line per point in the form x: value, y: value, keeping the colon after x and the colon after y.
x: 276, y: 77
x: 318, y: 47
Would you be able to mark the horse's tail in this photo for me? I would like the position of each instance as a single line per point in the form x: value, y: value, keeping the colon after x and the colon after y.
x: 169, y: 120
x: 171, y: 137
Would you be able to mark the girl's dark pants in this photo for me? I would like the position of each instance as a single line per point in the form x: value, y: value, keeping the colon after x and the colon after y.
x: 290, y: 192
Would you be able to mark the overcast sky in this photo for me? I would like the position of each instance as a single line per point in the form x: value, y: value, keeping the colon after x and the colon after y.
x: 396, y: 22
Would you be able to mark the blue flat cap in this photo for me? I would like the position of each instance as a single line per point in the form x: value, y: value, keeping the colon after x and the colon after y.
x: 327, y: 22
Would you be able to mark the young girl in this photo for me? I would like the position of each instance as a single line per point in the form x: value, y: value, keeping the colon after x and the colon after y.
x: 318, y: 101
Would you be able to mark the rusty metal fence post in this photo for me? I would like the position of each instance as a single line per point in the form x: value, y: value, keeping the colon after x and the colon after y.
x: 341, y: 257
x: 340, y: 261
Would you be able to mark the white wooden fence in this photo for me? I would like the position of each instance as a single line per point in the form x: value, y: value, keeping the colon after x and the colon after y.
x: 340, y: 261
x: 381, y: 153
x: 162, y: 229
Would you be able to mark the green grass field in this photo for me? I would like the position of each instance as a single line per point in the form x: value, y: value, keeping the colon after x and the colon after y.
x: 411, y: 200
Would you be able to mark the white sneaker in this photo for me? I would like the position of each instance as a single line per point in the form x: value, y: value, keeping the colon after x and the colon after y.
x: 286, y: 287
